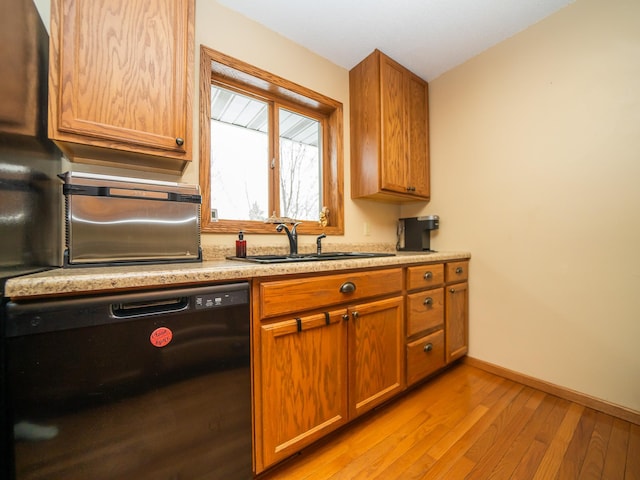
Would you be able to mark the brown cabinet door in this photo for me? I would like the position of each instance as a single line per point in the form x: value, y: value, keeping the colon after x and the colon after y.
x: 303, y: 383
x: 121, y: 75
x: 394, y: 158
x: 376, y: 353
x: 457, y: 320
x: 418, y: 136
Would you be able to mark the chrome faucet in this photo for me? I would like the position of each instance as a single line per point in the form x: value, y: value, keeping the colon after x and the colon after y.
x: 292, y: 235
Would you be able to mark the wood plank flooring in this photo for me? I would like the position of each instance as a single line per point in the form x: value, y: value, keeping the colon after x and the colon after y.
x: 471, y: 424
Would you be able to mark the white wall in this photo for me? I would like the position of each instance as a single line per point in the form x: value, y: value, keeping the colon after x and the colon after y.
x: 536, y: 169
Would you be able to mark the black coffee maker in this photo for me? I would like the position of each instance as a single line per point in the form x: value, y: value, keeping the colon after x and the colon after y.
x: 414, y: 234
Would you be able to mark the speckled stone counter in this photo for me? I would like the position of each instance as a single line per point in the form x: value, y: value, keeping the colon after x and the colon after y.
x: 96, y: 280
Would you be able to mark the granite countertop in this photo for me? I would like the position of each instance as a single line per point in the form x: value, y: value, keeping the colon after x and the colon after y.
x: 90, y: 280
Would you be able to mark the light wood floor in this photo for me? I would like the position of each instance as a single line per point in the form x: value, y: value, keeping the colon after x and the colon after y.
x: 471, y: 424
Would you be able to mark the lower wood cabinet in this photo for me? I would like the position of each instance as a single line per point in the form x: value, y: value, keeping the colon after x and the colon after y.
x: 336, y: 353
x: 330, y: 347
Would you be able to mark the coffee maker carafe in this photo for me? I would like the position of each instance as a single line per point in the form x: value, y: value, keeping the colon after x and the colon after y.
x: 414, y: 234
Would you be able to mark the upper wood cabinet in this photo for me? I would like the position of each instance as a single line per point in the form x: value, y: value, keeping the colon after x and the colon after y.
x: 389, y: 131
x: 120, y: 81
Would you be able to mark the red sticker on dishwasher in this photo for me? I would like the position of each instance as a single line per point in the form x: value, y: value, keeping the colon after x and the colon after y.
x: 161, y: 337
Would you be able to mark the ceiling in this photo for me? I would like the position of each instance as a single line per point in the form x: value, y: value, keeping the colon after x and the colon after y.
x: 428, y: 37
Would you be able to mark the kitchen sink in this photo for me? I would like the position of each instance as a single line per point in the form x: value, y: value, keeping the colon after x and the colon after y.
x: 309, y: 257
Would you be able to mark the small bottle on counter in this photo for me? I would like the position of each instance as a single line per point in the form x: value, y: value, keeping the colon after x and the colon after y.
x: 241, y: 246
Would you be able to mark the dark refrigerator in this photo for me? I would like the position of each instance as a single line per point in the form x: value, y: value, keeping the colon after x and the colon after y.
x: 30, y: 192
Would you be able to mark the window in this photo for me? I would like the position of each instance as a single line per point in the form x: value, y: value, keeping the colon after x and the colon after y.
x: 270, y: 149
x: 242, y: 137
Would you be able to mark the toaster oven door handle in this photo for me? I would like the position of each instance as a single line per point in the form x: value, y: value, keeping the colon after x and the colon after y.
x: 138, y: 194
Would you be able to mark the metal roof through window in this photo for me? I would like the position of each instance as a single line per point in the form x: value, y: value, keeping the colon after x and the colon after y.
x: 243, y: 111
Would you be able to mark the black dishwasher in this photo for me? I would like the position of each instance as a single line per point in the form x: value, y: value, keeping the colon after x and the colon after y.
x: 152, y: 385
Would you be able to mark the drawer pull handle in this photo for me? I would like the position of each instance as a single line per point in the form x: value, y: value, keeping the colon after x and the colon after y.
x: 428, y: 347
x: 459, y: 270
x: 179, y: 141
x: 355, y: 315
x: 428, y: 302
x: 428, y: 276
x: 348, y: 287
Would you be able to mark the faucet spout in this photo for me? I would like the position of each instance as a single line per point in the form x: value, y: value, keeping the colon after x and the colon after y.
x: 319, y: 243
x: 292, y: 235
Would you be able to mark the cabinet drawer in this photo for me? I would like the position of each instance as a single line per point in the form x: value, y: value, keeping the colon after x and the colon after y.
x: 425, y: 276
x: 301, y: 294
x: 425, y: 310
x: 457, y: 271
x: 425, y: 356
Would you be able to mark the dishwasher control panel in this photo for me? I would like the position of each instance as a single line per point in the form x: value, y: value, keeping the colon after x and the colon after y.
x: 221, y: 299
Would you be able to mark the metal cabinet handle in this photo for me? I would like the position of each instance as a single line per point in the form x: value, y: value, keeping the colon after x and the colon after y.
x: 355, y: 315
x: 459, y: 270
x: 428, y: 301
x: 179, y: 141
x: 348, y: 287
x: 452, y: 290
x: 428, y: 347
x: 345, y: 317
x: 428, y: 276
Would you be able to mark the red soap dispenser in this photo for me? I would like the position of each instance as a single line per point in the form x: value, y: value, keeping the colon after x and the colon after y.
x: 241, y: 246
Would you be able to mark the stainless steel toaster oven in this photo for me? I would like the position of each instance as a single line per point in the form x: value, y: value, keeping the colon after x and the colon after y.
x: 113, y: 220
